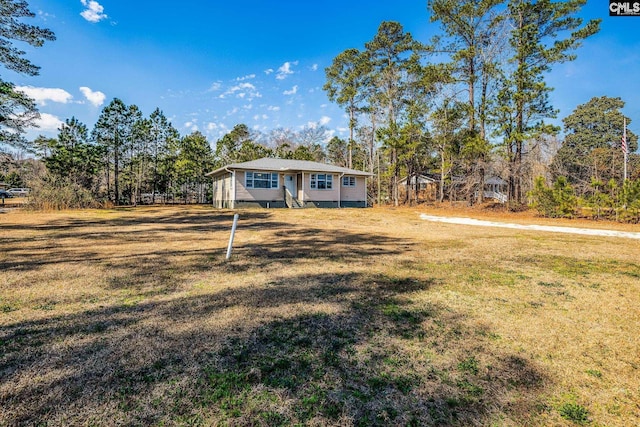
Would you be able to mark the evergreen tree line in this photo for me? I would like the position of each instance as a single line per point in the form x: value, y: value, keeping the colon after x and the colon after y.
x: 604, y: 200
x: 588, y: 169
x: 126, y: 159
x: 129, y: 159
x: 470, y: 103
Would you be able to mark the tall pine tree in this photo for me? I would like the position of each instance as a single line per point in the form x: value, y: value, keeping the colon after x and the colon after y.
x: 17, y: 110
x: 537, y: 44
x: 347, y: 79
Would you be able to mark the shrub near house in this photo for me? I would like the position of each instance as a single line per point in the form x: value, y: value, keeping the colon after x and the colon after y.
x: 610, y: 201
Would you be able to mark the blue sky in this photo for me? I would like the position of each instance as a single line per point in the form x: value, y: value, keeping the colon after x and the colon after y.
x: 210, y: 65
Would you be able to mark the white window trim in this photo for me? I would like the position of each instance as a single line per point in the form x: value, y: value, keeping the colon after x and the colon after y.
x: 350, y: 179
x: 273, y: 177
x: 313, y: 181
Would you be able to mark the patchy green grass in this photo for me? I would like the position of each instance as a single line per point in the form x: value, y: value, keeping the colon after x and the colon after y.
x: 574, y: 412
x: 322, y: 317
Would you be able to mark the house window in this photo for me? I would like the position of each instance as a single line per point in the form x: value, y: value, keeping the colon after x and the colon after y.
x: 321, y: 181
x: 348, y: 181
x: 261, y: 180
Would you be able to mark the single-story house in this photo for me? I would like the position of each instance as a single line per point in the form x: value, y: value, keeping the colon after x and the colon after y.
x: 280, y: 183
x: 426, y: 187
x: 496, y: 188
x: 424, y: 182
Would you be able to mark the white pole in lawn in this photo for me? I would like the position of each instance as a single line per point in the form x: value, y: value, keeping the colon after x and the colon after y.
x: 233, y: 232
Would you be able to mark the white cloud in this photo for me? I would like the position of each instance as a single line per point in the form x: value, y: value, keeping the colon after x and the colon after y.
x: 243, y: 90
x: 48, y: 123
x: 213, y: 126
x: 247, y: 77
x: 45, y: 16
x: 94, y: 11
x: 215, y: 86
x: 216, y: 130
x: 273, y: 108
x: 285, y: 70
x: 268, y: 71
x: 95, y: 98
x: 324, y: 120
x: 314, y: 67
x: 192, y: 126
x: 241, y: 86
x: 260, y: 116
x: 293, y: 91
x: 43, y: 94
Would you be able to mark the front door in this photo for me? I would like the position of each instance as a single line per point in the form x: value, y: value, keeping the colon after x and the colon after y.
x: 291, y: 185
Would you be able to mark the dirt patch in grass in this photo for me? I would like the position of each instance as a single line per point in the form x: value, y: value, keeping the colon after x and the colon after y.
x: 322, y: 317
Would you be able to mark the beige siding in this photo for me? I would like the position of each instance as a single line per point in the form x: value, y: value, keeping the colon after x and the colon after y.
x: 244, y: 193
x: 222, y: 190
x: 354, y: 194
x: 320, y: 195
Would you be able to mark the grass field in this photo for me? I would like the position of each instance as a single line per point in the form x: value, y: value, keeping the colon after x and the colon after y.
x: 321, y: 317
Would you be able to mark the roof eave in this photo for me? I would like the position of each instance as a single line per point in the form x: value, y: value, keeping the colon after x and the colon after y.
x: 228, y: 168
x: 218, y: 171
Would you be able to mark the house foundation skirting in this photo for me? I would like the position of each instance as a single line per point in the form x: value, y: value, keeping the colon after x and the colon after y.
x: 276, y: 204
x: 354, y: 204
x: 260, y: 204
x: 335, y: 204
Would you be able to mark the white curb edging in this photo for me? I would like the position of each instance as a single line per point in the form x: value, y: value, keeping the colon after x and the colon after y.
x: 553, y: 229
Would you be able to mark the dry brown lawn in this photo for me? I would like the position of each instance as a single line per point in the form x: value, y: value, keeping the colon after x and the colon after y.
x: 322, y: 317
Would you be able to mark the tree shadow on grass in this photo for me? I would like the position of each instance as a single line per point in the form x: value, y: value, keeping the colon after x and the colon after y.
x: 84, y: 241
x: 70, y: 239
x: 311, y: 244
x: 148, y: 225
x: 327, y: 349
